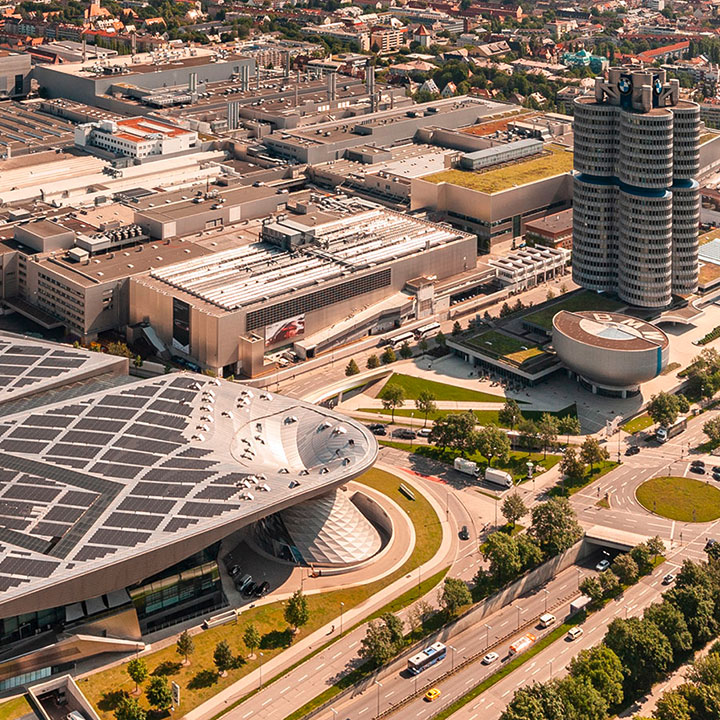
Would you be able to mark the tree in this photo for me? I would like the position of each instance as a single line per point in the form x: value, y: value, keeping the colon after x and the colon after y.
x: 609, y: 582
x: 425, y: 403
x: 158, y: 693
x: 405, y: 351
x: 539, y: 701
x: 185, y: 646
x: 696, y: 603
x: 501, y: 550
x: 656, y: 546
x: 569, y: 425
x: 664, y: 408
x: 129, y: 709
x: 673, y: 705
x: 593, y: 453
x: 423, y: 345
x: 392, y: 398
x: 138, y: 361
x: 493, y: 443
x: 377, y: 645
x: 528, y: 550
x: 440, y: 339
x: 712, y: 429
x: 510, y: 415
x: 528, y: 434
x: 456, y: 431
x: 626, y: 569
x: 555, y: 526
x: 547, y: 430
x: 119, y: 348
x: 513, y: 508
x: 643, y: 650
x: 671, y: 623
x: 388, y: 356
x: 251, y: 638
x: 372, y: 362
x: 223, y: 657
x: 643, y: 558
x: 581, y: 700
x: 603, y: 669
x: 352, y: 368
x: 454, y: 595
x: 591, y: 587
x: 456, y: 329
x: 571, y: 465
x: 296, y: 611
x: 138, y: 672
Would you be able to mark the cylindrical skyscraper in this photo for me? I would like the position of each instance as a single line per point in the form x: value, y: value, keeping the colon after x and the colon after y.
x: 636, y: 203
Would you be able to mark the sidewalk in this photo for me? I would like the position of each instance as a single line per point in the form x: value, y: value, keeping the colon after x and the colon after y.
x: 329, y: 657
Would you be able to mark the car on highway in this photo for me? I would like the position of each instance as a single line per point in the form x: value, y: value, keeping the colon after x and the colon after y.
x: 574, y: 633
x: 432, y: 694
x: 669, y: 579
x: 490, y: 658
x: 464, y: 533
x: 632, y: 450
x: 604, y: 564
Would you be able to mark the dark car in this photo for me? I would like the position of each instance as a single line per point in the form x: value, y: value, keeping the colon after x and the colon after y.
x: 234, y: 571
x: 716, y: 468
x: 377, y: 429
x: 697, y: 469
x: 698, y: 463
x: 262, y: 589
x: 710, y: 543
x: 405, y: 433
x: 716, y: 476
x: 249, y: 589
x: 632, y: 450
x: 464, y: 534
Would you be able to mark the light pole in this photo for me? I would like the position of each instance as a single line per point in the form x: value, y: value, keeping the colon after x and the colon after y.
x: 520, y: 610
x: 261, y: 657
x: 547, y: 593
x: 379, y: 685
x: 487, y: 636
x: 412, y: 415
x: 580, y: 576
x: 551, y: 669
x: 342, y: 605
x: 496, y: 504
x: 452, y: 660
x: 334, y: 712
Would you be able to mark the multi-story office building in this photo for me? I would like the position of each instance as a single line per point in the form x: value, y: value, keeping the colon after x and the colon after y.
x: 636, y: 200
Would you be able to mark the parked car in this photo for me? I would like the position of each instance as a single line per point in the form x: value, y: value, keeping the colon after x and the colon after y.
x: 262, y: 589
x: 716, y: 468
x: 424, y: 432
x: 604, y: 564
x: 249, y: 589
x: 697, y: 463
x: 697, y: 469
x: 490, y: 658
x: 377, y: 429
x: 405, y: 433
x: 235, y: 571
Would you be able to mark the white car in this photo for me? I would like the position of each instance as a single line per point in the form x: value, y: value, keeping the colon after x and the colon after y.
x: 491, y: 657
x: 574, y: 633
x: 604, y: 564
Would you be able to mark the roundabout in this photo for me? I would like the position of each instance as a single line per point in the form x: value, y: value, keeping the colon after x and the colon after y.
x: 680, y: 498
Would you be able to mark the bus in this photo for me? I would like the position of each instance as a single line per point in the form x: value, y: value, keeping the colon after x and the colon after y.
x: 399, y: 340
x: 522, y: 644
x: 427, y: 330
x: 429, y: 656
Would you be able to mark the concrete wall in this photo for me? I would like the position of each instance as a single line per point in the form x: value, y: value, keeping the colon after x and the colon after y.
x: 11, y: 66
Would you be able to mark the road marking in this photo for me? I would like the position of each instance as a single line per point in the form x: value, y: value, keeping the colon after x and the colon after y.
x: 507, y: 692
x: 336, y: 655
x: 471, y: 680
x: 248, y: 714
x: 363, y: 710
x: 392, y: 692
x: 302, y: 678
x: 320, y: 666
x: 285, y: 689
x: 266, y: 702
x: 352, y: 644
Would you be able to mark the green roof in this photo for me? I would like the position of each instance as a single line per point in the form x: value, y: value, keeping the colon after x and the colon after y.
x: 584, y: 300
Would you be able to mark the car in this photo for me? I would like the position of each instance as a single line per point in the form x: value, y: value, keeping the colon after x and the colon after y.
x: 234, y: 570
x: 377, y: 429
x: 424, y: 432
x: 464, y: 534
x: 716, y: 475
x: 262, y: 589
x: 716, y: 468
x: 574, y: 633
x: 490, y: 658
x: 697, y: 463
x: 669, y: 579
x: 710, y: 543
x: 697, y: 469
x: 632, y: 450
x: 240, y: 583
x: 249, y: 589
x: 604, y: 564
x: 432, y: 694
x: 404, y: 433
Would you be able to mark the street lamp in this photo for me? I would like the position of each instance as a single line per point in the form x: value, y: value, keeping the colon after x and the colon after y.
x: 412, y: 415
x: 261, y: 657
x: 452, y: 661
x: 519, y: 610
x: 379, y: 685
x: 547, y: 592
x: 342, y: 605
x: 335, y: 712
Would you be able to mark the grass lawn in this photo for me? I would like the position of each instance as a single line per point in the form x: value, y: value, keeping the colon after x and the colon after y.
x: 413, y: 386
x: 583, y: 300
x: 641, y: 422
x: 557, y: 161
x: 484, y: 417
x: 680, y: 498
x: 15, y: 708
x: 199, y: 681
x: 568, y: 487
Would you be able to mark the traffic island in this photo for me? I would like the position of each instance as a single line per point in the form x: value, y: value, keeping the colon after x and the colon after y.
x: 680, y: 498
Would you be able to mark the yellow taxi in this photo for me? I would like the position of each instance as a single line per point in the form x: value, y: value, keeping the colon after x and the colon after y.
x: 432, y: 694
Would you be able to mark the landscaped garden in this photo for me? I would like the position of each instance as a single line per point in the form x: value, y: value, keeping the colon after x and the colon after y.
x: 577, y: 302
x: 413, y: 386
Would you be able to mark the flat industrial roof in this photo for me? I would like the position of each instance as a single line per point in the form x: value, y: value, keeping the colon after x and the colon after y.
x: 110, y: 482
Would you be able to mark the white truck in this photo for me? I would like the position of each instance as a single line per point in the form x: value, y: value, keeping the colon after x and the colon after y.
x: 498, y: 477
x: 663, y: 434
x: 466, y: 466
